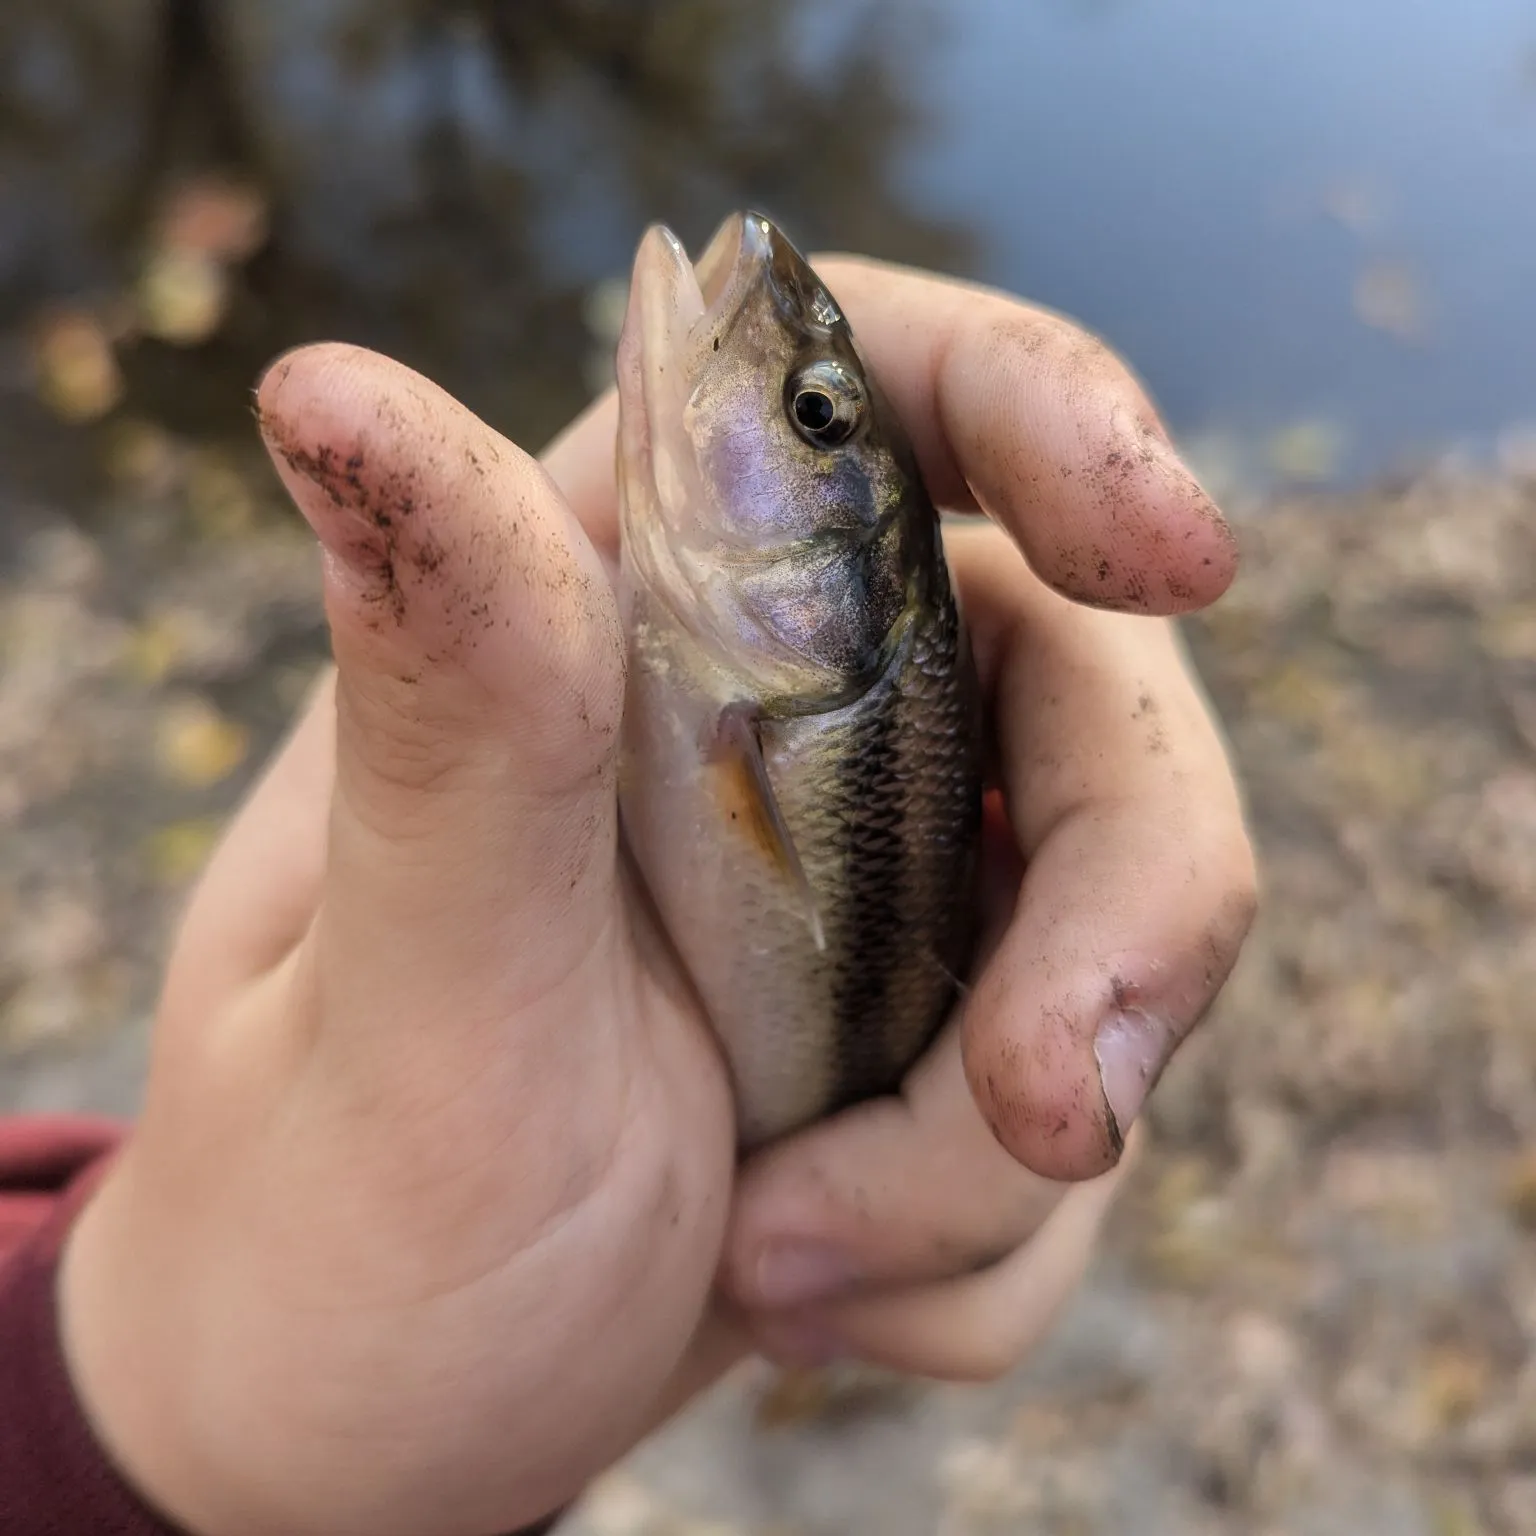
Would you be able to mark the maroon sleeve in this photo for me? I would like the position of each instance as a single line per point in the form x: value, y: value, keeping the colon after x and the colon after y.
x: 55, y: 1479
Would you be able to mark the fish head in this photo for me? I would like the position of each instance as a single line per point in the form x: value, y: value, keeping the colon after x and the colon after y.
x: 770, y: 500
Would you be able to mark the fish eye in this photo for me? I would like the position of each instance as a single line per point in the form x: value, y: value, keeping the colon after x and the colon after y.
x: 826, y: 403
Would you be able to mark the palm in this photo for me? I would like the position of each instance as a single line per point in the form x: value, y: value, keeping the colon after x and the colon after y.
x: 451, y: 1200
x: 471, y: 1125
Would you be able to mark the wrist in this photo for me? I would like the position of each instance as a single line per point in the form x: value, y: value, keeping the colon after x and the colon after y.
x: 120, y: 1374
x: 144, y: 1377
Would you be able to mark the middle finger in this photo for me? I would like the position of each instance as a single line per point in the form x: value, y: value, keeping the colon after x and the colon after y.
x: 1009, y: 408
x: 897, y: 1191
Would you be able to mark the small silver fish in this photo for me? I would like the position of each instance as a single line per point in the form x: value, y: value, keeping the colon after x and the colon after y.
x: 801, y: 763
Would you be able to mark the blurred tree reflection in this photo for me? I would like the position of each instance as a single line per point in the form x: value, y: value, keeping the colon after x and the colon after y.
x: 74, y: 128
x: 446, y: 179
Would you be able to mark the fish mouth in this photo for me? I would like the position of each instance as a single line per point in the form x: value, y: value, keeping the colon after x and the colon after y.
x: 680, y: 312
x: 679, y: 317
x: 676, y: 304
x: 750, y: 252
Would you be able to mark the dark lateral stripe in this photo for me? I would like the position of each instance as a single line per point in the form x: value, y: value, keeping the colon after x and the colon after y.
x: 940, y: 770
x: 873, y: 816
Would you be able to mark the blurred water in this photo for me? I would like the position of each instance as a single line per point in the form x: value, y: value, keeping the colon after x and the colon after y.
x: 1206, y: 183
x: 1311, y: 219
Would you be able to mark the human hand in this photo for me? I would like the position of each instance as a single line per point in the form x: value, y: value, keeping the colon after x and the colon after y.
x: 939, y: 1232
x: 426, y: 1199
x: 427, y: 1096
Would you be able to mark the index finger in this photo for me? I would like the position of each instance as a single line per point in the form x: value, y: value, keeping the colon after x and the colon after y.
x: 1012, y: 411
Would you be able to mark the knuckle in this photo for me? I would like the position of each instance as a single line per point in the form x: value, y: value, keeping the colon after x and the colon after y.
x: 1228, y: 931
x: 404, y: 746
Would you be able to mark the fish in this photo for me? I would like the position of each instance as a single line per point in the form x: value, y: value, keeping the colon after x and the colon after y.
x: 800, y: 759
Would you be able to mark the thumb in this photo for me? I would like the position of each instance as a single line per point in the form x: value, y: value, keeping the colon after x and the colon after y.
x: 479, y: 694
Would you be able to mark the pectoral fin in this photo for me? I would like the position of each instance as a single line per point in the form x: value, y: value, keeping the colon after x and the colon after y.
x: 747, y: 795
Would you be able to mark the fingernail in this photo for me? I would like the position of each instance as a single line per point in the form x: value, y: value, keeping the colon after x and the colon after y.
x: 1132, y: 1049
x: 791, y: 1274
x: 798, y: 1343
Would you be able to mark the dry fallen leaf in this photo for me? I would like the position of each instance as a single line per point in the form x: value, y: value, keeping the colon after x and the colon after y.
x: 1453, y: 1382
x: 794, y: 1397
x: 1377, y: 767
x: 182, y: 297
x: 1303, y: 695
x: 846, y: 1391
x: 175, y: 853
x: 1520, y: 1189
x: 142, y: 457
x: 1307, y: 453
x: 1388, y: 297
x: 1399, y: 1193
x: 1509, y: 632
x: 43, y: 1008
x: 618, y: 1504
x: 1456, y: 1517
x: 214, y: 217
x: 78, y: 376
x: 197, y: 746
x: 218, y: 497
x: 983, y: 1482
x: 154, y: 649
x: 1357, y: 204
x: 1262, y: 1351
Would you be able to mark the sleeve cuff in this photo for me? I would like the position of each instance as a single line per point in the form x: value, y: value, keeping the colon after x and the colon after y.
x: 55, y: 1478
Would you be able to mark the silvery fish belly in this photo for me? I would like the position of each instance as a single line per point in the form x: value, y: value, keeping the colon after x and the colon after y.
x: 801, y: 777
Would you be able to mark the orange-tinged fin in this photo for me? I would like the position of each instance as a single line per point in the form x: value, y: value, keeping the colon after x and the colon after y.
x: 748, y: 799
